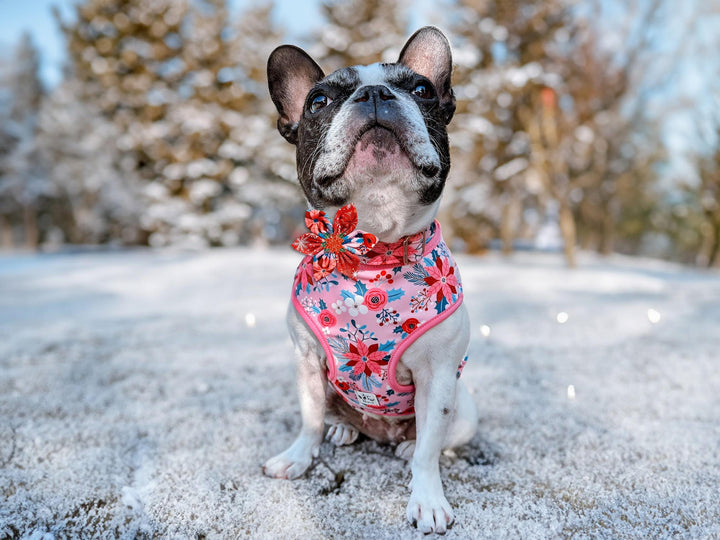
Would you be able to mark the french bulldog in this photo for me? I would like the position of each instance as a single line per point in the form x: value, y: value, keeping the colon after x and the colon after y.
x: 376, y: 316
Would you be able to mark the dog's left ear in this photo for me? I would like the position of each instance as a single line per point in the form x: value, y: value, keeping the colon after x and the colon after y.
x: 427, y: 53
x: 291, y: 75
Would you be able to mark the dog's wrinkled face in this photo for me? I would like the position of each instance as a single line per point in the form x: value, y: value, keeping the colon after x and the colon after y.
x: 383, y: 122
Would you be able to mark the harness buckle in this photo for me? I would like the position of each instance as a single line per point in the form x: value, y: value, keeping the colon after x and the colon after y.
x: 405, y: 248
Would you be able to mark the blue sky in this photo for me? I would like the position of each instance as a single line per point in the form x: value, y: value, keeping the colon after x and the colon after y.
x: 35, y: 17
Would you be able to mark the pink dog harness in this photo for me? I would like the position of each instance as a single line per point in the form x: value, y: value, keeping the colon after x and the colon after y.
x: 368, y: 301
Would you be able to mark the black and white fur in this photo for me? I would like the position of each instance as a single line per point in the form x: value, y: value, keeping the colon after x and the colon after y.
x: 376, y: 136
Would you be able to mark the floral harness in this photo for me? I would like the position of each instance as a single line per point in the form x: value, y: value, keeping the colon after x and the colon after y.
x: 368, y: 301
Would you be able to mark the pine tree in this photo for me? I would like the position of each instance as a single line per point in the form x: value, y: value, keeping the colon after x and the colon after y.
x: 167, y: 75
x: 97, y: 191
x: 361, y: 32
x: 24, y: 190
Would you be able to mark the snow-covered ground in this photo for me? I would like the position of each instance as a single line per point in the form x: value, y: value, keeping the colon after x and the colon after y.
x: 141, y: 391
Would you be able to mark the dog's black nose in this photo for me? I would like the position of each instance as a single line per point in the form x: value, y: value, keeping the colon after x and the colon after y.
x: 375, y: 93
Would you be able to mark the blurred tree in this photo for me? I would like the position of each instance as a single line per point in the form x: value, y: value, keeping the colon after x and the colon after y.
x: 502, y: 62
x: 611, y: 143
x: 182, y: 94
x: 361, y: 32
x: 709, y: 198
x: 97, y: 191
x: 553, y: 117
x: 24, y: 189
x: 269, y: 181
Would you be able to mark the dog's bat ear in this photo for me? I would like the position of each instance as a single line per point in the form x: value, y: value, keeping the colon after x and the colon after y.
x: 291, y: 74
x: 428, y: 53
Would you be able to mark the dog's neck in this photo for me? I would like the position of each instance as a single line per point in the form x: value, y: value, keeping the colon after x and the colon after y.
x: 388, y: 207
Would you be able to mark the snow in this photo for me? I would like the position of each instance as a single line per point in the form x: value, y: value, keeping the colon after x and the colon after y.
x: 142, y: 390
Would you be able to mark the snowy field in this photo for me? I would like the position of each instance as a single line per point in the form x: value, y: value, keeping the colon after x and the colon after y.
x: 141, y: 391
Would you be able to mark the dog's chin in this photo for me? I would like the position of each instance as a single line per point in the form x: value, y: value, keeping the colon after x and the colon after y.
x: 378, y: 153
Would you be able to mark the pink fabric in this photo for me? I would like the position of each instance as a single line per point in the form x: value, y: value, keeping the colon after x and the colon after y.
x: 365, y: 326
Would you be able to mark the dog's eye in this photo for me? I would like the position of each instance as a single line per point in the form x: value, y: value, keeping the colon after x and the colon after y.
x: 319, y: 102
x: 423, y: 91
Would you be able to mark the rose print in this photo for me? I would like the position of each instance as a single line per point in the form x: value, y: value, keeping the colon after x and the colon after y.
x: 326, y: 318
x: 375, y: 299
x: 410, y: 325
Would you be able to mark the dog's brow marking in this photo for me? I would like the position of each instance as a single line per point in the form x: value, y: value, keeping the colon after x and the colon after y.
x: 344, y: 77
x: 372, y: 74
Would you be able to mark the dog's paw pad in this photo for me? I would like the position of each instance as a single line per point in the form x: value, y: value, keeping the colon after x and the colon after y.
x: 342, y: 434
x: 405, y: 450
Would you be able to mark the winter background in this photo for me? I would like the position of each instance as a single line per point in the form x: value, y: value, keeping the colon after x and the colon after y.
x: 145, y: 378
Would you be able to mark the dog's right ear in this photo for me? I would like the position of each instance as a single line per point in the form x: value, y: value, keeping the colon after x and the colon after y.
x: 291, y: 75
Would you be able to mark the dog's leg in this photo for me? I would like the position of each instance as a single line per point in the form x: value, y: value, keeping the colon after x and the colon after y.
x: 462, y: 427
x: 428, y: 507
x: 433, y: 361
x: 312, y: 381
x: 465, y: 420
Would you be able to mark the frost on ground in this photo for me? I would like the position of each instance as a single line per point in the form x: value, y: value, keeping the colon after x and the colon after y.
x: 140, y: 392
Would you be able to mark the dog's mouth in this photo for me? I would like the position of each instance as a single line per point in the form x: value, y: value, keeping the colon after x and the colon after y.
x: 378, y: 140
x: 379, y: 148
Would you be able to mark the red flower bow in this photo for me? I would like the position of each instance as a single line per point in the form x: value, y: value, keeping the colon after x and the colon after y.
x: 334, y: 245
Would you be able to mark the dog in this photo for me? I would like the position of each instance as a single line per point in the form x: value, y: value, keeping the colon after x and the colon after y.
x: 376, y: 314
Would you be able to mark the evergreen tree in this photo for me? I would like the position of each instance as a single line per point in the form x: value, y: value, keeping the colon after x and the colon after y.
x: 97, y: 191
x: 24, y: 190
x: 361, y: 32
x: 167, y: 75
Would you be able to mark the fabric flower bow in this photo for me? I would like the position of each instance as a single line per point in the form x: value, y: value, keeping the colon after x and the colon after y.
x: 336, y: 245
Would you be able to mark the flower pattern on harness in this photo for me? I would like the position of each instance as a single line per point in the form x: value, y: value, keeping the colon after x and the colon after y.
x: 366, y: 321
x: 334, y: 245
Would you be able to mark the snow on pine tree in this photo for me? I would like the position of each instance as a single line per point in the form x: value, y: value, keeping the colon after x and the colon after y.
x: 267, y: 178
x: 24, y: 190
x: 97, y: 190
x: 360, y: 32
x: 164, y: 73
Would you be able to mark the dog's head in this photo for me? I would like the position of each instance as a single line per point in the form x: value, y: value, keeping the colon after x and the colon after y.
x: 383, y: 124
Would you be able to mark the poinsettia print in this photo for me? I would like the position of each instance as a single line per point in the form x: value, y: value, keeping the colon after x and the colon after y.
x: 441, y: 279
x: 336, y: 245
x: 364, y: 310
x: 304, y: 276
x: 365, y: 360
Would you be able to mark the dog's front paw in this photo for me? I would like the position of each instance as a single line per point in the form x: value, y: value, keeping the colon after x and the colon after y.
x: 429, y: 510
x: 293, y: 462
